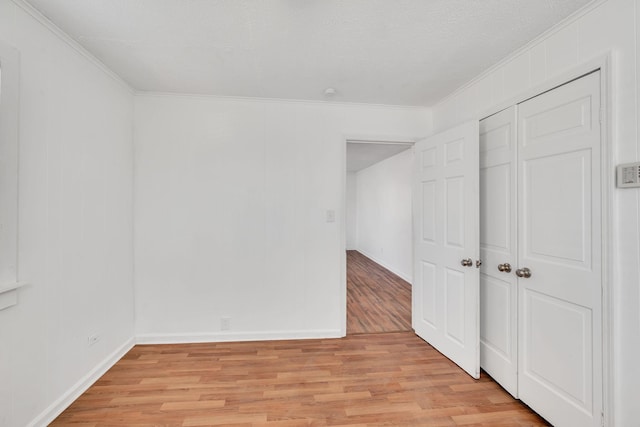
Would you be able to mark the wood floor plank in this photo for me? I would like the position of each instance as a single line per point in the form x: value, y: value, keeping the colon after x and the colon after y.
x: 330, y: 397
x: 193, y: 404
x: 377, y: 299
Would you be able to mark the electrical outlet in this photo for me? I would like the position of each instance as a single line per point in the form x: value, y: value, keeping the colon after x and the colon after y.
x: 225, y: 324
x: 92, y: 339
x: 331, y: 215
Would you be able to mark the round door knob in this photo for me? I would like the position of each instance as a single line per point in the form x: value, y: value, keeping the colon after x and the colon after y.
x: 523, y: 272
x: 505, y: 268
x: 466, y: 262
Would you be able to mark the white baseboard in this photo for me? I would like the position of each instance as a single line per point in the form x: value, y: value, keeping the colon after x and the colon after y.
x: 63, y: 402
x: 387, y: 266
x: 235, y: 336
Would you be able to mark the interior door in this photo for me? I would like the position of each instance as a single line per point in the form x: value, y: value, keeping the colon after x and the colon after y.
x: 445, y: 226
x: 559, y: 245
x: 498, y: 249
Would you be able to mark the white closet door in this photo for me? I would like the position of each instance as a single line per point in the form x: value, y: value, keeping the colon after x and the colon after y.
x: 445, y: 226
x: 559, y: 243
x: 498, y: 250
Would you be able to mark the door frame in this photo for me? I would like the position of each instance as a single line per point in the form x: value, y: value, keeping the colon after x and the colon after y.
x: 603, y: 63
x: 399, y: 139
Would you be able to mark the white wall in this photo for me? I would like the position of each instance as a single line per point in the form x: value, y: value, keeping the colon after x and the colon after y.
x: 231, y: 200
x: 611, y: 26
x: 352, y: 211
x: 75, y: 224
x: 384, y: 213
x: 230, y: 208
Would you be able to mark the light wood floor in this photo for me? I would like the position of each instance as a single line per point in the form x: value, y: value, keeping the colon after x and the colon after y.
x: 365, y: 379
x: 377, y: 299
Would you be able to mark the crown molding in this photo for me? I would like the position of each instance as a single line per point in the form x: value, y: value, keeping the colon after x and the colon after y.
x: 229, y: 98
x: 77, y: 47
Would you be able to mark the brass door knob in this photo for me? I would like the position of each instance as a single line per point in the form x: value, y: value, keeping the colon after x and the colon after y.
x: 505, y: 268
x: 523, y: 272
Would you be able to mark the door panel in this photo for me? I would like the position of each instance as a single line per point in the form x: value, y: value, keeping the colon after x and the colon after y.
x: 557, y: 121
x: 445, y: 293
x: 559, y: 241
x: 496, y: 304
x: 429, y: 211
x: 498, y: 215
x: 429, y: 295
x: 454, y: 219
x: 544, y: 341
x: 496, y: 187
x: 561, y: 234
x: 454, y: 302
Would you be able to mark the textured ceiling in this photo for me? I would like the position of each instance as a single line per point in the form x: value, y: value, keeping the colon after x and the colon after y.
x: 402, y: 52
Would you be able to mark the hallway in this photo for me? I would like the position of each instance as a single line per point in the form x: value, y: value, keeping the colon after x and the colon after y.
x: 377, y: 300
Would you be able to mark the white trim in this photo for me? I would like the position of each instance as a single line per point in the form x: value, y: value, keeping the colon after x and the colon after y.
x: 385, y: 265
x: 343, y: 217
x: 396, y: 143
x: 382, y: 139
x: 342, y: 309
x: 311, y: 102
x: 73, y: 44
x: 206, y: 337
x: 7, y: 287
x: 64, y: 401
x: 9, y: 295
x: 588, y: 8
x: 607, y: 188
x: 9, y: 164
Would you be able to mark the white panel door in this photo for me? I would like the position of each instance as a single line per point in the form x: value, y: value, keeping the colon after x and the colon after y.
x: 559, y: 242
x: 498, y: 249
x: 445, y: 202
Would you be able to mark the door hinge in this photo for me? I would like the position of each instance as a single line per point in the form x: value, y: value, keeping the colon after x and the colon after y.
x: 600, y: 116
x: 602, y: 419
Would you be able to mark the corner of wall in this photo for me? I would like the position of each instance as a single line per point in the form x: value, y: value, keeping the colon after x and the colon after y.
x: 64, y: 401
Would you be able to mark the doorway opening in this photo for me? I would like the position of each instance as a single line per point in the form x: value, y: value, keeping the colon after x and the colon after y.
x: 378, y: 235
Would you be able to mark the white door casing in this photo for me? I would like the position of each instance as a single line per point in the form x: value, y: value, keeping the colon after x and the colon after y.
x: 560, y: 242
x: 498, y: 249
x: 445, y: 295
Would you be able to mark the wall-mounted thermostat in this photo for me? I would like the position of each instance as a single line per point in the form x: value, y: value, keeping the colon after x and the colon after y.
x: 628, y: 175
